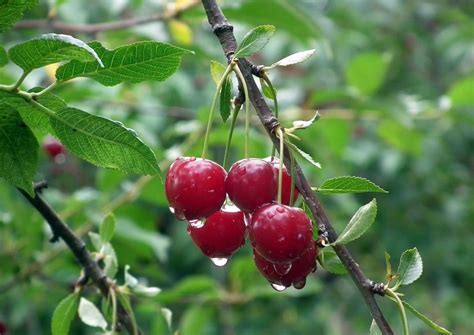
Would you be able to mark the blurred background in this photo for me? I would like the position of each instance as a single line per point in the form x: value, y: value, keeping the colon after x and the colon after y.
x: 394, y: 83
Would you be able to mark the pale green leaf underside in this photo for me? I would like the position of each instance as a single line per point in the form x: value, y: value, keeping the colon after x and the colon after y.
x: 91, y: 315
x: 359, y: 223
x: 3, y: 57
x: 255, y: 40
x: 18, y: 150
x: 303, y: 154
x: 64, y: 314
x: 50, y: 49
x: 103, y: 142
x: 12, y: 10
x: 133, y: 63
x: 426, y: 320
x: 349, y: 184
x: 410, y: 267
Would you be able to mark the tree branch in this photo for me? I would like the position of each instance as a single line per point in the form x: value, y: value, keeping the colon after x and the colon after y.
x: 78, y: 248
x: 65, y: 27
x: 224, y: 32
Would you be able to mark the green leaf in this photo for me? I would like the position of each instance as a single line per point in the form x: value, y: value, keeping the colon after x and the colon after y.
x: 132, y: 63
x: 255, y: 40
x: 406, y: 139
x: 3, y: 57
x: 107, y: 228
x: 217, y: 71
x: 461, y: 93
x: 374, y: 329
x: 303, y: 154
x: 64, y: 314
x: 266, y: 90
x: 348, y: 184
x: 91, y: 315
x: 331, y: 263
x: 18, y: 149
x: 426, y: 320
x: 225, y: 96
x: 198, y: 287
x: 366, y: 72
x: 293, y: 59
x: 410, y: 267
x: 50, y: 49
x: 388, y: 264
x: 359, y: 223
x: 103, y: 142
x: 125, y: 301
x: 196, y: 319
x: 11, y: 11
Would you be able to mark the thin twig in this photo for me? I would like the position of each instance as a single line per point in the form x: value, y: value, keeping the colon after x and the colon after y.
x: 224, y: 32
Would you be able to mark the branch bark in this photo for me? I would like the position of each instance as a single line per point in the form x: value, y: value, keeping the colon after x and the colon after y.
x: 82, y: 255
x: 65, y: 27
x: 224, y: 32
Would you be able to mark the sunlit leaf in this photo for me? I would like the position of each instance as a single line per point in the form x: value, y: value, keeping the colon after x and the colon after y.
x: 348, y: 184
x: 11, y: 11
x: 255, y: 40
x: 359, y: 223
x: 64, y: 314
x: 462, y: 92
x: 293, y: 59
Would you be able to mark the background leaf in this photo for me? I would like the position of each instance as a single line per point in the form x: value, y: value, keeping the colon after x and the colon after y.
x: 461, y: 93
x: 366, y: 72
x: 91, y: 315
x: 103, y: 142
x: 18, y: 149
x: 3, y: 57
x: 426, y: 320
x: 359, y: 223
x: 107, y: 228
x: 217, y: 71
x: 348, y: 184
x: 50, y: 49
x: 132, y: 63
x: 12, y: 10
x: 254, y: 40
x: 410, y: 267
x: 64, y: 314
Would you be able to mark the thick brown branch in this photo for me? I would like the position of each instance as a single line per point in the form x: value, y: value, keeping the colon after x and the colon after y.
x: 224, y: 33
x: 82, y: 255
x: 65, y: 27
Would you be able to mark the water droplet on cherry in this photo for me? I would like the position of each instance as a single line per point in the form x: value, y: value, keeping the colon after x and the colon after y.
x: 278, y: 287
x: 299, y: 285
x: 219, y: 261
x: 197, y: 223
x: 280, y: 210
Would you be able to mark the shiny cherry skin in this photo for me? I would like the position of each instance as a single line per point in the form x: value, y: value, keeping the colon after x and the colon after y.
x: 53, y: 147
x: 286, y: 181
x: 299, y: 270
x: 222, y: 234
x: 251, y: 183
x: 195, y: 187
x: 280, y: 233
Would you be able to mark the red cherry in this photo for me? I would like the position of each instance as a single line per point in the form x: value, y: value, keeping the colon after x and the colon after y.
x: 53, y: 147
x: 296, y: 276
x: 221, y: 235
x: 251, y: 183
x: 3, y: 328
x: 286, y: 181
x: 280, y: 233
x: 195, y: 187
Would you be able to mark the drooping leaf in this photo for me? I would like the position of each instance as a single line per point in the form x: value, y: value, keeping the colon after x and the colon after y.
x: 366, y: 72
x: 348, y: 184
x: 359, y: 223
x: 293, y: 59
x: 303, y: 154
x: 255, y: 40
x: 331, y: 263
x: 50, y: 49
x: 64, y: 314
x: 461, y: 93
x: 91, y: 315
x: 430, y: 323
x: 266, y: 90
x: 224, y: 101
x: 107, y: 228
x: 103, y: 142
x: 410, y: 267
x: 11, y: 11
x: 132, y: 63
x: 3, y: 57
x: 217, y: 71
x: 18, y: 149
x: 374, y: 329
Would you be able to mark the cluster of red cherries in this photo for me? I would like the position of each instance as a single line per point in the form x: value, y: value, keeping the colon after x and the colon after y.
x: 281, y: 235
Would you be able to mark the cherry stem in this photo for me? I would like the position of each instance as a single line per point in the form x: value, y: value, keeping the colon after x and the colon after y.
x: 280, y: 167
x: 213, y: 106
x: 394, y: 297
x: 292, y: 173
x: 235, y: 112
x: 247, y: 109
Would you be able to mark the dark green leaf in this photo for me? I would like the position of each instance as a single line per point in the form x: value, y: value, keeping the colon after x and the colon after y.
x: 426, y: 320
x: 50, y: 49
x: 359, y: 223
x: 3, y: 57
x: 103, y: 142
x: 107, y: 228
x: 366, y: 72
x: 462, y: 92
x: 410, y: 267
x: 255, y: 40
x: 224, y: 104
x: 331, y: 263
x: 349, y: 184
x: 64, y: 314
x: 11, y: 11
x: 132, y: 63
x: 18, y: 149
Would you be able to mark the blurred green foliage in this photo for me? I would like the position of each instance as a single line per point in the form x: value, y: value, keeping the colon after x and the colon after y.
x: 394, y: 82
